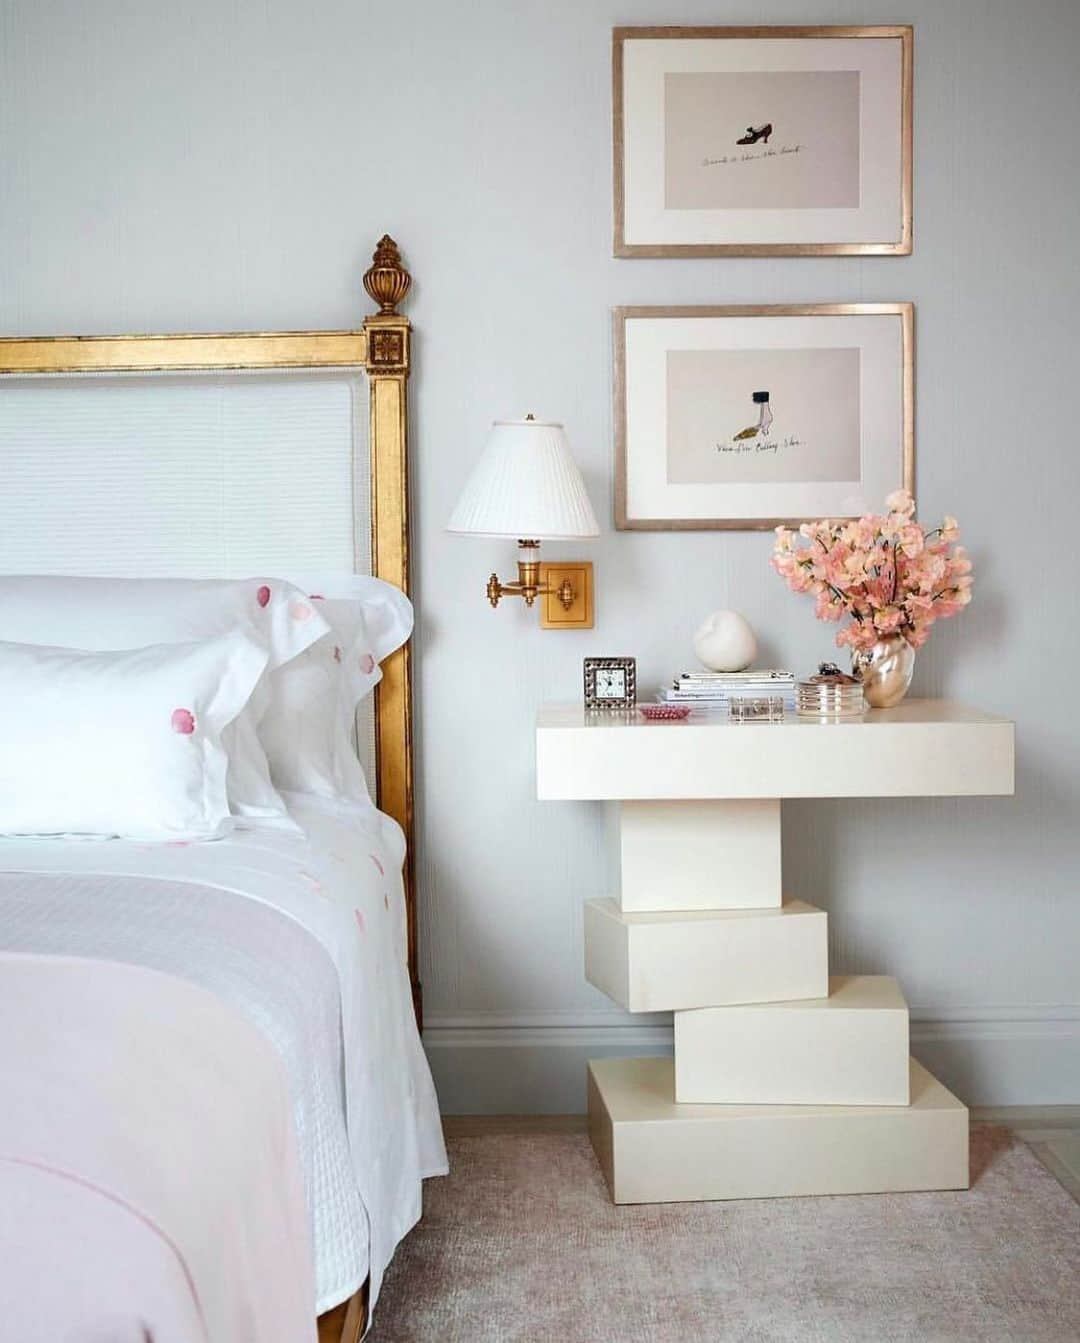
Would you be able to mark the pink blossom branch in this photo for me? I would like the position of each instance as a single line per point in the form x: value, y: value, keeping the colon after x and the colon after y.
x: 897, y: 577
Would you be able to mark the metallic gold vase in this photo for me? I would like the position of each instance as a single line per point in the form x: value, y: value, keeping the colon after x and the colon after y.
x: 885, y: 670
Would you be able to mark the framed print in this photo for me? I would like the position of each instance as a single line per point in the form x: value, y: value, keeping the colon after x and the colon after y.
x: 749, y: 417
x: 762, y: 141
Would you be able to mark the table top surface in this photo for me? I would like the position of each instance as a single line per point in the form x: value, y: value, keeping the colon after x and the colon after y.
x: 916, y: 712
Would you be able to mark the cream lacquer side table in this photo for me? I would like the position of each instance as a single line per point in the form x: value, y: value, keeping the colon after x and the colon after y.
x: 784, y: 1081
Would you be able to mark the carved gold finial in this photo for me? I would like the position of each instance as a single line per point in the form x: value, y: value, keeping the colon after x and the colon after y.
x: 387, y: 281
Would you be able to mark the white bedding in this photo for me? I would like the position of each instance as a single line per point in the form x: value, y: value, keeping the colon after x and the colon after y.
x: 262, y: 918
x: 150, y: 1186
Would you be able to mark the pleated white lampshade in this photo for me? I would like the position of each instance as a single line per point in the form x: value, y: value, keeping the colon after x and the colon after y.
x: 525, y: 485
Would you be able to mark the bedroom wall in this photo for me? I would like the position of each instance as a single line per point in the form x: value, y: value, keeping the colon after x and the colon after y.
x: 227, y: 164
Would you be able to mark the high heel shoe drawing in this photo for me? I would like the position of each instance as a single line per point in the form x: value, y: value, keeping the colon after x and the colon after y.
x: 764, y: 419
x: 756, y: 133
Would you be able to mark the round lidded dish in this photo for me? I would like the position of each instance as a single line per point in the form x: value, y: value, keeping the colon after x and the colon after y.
x: 831, y: 694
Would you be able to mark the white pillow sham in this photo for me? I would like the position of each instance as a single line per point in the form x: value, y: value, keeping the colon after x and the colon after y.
x: 100, y: 614
x: 307, y: 730
x: 121, y: 743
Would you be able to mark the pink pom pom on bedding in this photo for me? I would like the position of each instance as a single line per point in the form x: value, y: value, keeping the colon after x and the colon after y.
x: 183, y: 721
x: 263, y: 596
x: 367, y: 664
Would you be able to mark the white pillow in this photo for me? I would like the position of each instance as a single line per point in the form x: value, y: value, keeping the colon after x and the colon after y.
x: 119, y: 613
x: 121, y: 743
x: 307, y: 730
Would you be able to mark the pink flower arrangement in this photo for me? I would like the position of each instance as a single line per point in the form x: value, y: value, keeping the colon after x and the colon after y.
x: 883, y: 570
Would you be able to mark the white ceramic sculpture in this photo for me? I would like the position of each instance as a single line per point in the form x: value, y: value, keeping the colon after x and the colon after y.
x: 725, y: 642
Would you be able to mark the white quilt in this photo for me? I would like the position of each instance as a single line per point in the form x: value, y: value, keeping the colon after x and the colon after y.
x: 262, y: 919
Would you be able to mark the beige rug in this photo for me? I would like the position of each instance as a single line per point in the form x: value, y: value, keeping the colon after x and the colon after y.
x: 521, y: 1243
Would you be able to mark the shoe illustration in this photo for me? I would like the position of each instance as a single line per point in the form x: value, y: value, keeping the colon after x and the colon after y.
x: 756, y: 133
x: 764, y: 419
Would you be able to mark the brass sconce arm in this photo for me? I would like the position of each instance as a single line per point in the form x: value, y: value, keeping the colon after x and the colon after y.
x: 528, y: 584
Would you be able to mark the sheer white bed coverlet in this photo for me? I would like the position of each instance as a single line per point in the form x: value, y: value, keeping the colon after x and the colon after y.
x: 341, y: 881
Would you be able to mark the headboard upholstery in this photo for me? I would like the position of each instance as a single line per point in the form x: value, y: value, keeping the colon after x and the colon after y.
x: 222, y: 455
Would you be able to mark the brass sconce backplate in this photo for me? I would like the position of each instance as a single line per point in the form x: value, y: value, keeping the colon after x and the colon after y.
x: 553, y: 615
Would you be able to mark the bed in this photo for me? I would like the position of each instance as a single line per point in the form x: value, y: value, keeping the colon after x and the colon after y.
x: 294, y: 945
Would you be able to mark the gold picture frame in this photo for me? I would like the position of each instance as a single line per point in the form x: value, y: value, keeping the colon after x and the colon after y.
x: 624, y: 246
x: 626, y: 519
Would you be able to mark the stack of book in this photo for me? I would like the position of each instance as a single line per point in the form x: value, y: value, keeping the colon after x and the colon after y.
x: 714, y: 691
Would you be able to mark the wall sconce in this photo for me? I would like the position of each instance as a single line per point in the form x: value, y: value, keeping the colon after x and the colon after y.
x: 527, y: 487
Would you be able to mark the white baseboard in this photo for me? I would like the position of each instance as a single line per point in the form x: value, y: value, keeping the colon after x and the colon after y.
x: 534, y: 1063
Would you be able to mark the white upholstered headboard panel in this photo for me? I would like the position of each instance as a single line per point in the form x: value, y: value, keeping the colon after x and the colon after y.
x: 192, y: 475
x: 201, y: 475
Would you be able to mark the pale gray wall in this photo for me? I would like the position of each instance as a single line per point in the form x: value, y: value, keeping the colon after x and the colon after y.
x: 223, y: 164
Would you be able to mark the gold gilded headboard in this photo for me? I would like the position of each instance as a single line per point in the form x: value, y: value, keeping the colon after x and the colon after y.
x: 381, y: 349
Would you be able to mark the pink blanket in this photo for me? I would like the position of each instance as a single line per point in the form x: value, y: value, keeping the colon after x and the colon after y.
x: 149, y: 1185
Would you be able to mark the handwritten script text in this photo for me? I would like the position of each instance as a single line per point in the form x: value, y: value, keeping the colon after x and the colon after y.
x: 751, y: 158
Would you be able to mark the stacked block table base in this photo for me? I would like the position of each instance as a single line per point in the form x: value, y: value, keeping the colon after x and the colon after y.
x: 653, y: 1149
x: 784, y: 1082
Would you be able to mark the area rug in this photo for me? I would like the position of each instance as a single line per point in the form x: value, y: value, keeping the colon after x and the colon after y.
x: 521, y: 1244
